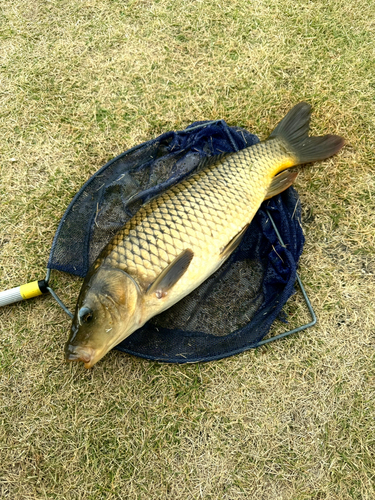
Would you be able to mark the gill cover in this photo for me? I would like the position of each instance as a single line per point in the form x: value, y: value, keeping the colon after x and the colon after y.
x: 106, y: 310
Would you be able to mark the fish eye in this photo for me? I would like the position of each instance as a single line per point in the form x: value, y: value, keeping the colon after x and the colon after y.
x: 87, y: 318
x: 85, y: 315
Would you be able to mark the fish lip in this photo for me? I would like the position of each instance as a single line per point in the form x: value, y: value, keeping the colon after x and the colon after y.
x: 89, y: 355
x: 77, y: 353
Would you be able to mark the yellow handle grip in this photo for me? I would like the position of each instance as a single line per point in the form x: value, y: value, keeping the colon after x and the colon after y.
x: 23, y: 292
x: 30, y: 290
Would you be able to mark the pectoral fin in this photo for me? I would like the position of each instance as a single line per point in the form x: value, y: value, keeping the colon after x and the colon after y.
x: 234, y: 242
x: 171, y: 274
x: 280, y: 183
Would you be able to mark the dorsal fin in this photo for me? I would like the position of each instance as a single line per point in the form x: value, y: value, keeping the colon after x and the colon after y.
x: 171, y: 274
x: 207, y: 161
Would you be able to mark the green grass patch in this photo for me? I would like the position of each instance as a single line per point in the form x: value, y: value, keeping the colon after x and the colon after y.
x: 80, y: 83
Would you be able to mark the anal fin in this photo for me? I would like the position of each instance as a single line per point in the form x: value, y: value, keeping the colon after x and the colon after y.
x: 171, y: 274
x: 280, y: 183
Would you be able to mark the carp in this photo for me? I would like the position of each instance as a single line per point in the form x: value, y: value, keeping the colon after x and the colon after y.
x: 179, y: 238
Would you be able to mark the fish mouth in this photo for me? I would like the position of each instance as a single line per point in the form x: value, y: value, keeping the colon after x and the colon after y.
x: 90, y: 355
x: 78, y: 353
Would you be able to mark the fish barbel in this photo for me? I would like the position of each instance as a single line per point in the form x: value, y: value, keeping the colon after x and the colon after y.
x: 179, y: 238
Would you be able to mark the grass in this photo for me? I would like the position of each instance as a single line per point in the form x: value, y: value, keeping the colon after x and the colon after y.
x: 81, y: 81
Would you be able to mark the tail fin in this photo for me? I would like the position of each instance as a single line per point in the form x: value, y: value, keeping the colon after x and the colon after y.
x: 294, y: 128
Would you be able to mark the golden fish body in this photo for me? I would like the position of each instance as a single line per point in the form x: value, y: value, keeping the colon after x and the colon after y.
x: 178, y: 239
x: 202, y: 213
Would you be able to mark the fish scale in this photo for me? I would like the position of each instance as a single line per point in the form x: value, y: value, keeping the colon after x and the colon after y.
x: 178, y: 239
x: 202, y: 212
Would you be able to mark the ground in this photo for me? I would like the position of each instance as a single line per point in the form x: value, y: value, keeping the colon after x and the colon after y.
x: 82, y: 81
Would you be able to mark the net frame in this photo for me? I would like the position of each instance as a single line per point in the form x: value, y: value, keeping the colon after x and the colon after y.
x: 257, y: 344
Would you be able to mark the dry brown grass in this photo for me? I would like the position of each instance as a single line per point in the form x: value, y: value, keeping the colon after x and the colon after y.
x: 81, y: 81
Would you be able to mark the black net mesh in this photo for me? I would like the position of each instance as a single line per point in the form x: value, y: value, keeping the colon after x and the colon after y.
x: 232, y: 310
